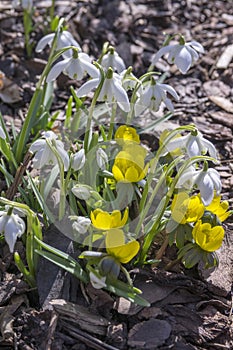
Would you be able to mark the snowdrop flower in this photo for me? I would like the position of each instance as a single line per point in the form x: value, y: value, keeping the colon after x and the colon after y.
x: 26, y: 4
x: 81, y: 224
x: 12, y: 227
x: 101, y: 158
x: 182, y: 54
x: 113, y: 60
x: 2, y: 134
x: 97, y: 282
x: 111, y: 91
x: 193, y: 143
x: 78, y: 160
x: 206, y: 180
x: 65, y: 39
x: 152, y: 94
x: 43, y: 153
x: 75, y: 67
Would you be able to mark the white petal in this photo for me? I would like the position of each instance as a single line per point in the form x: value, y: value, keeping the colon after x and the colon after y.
x: 197, y: 46
x: 174, y: 52
x: 170, y: 90
x: 81, y: 224
x: 164, y: 50
x: 47, y: 39
x: 79, y: 159
x: 57, y: 69
x: 169, y: 105
x: 87, y: 87
x: 193, y: 148
x: 210, y: 147
x: 97, y: 282
x: 37, y: 145
x: 14, y: 228
x: 216, y: 179
x: 183, y: 60
x: 75, y: 69
x: 206, y: 188
x: 119, y: 63
x: 101, y: 158
x: 121, y: 96
x: 88, y: 66
x: 64, y: 156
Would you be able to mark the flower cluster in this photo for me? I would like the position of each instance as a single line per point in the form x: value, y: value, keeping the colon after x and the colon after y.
x: 102, y: 186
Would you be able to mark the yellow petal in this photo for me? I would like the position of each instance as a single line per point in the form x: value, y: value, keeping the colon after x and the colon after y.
x: 114, y: 238
x: 126, y: 252
x: 118, y: 175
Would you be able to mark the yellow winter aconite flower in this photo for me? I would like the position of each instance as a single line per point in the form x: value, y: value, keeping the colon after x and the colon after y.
x: 129, y: 164
x: 207, y: 237
x: 104, y: 220
x: 116, y: 246
x: 219, y: 208
x: 185, y: 209
x: 126, y: 134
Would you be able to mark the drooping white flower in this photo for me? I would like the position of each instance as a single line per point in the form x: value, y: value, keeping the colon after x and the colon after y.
x: 101, y: 158
x: 65, y: 39
x: 183, y: 55
x: 113, y: 60
x: 97, y: 282
x: 111, y: 91
x: 12, y: 227
x: 75, y: 67
x: 81, y: 224
x: 26, y: 4
x: 2, y: 133
x: 207, y: 181
x: 78, y: 160
x: 44, y: 154
x: 193, y: 144
x: 152, y: 94
x: 82, y: 192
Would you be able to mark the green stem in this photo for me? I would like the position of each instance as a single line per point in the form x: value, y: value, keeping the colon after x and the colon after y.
x: 113, y: 115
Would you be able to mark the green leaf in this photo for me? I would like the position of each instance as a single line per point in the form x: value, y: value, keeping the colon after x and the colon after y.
x: 125, y: 290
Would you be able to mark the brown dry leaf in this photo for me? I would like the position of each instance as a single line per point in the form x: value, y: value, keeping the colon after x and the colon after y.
x: 225, y: 58
x: 9, y: 91
x: 222, y: 102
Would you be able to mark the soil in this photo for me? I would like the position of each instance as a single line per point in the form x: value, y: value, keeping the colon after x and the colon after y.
x: 189, y: 309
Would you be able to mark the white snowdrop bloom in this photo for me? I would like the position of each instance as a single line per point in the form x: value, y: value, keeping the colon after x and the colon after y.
x: 78, y: 160
x: 26, y: 4
x: 111, y: 91
x: 82, y: 191
x: 207, y: 181
x: 81, y: 224
x: 75, y: 67
x: 182, y: 55
x: 113, y: 60
x: 152, y: 94
x: 44, y: 154
x: 194, y: 145
x: 97, y: 282
x: 65, y: 39
x: 2, y: 133
x: 101, y: 158
x: 12, y: 227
